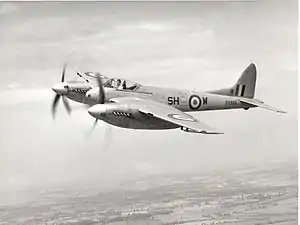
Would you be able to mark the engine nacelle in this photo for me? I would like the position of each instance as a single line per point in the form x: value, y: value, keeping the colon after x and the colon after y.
x: 101, y: 110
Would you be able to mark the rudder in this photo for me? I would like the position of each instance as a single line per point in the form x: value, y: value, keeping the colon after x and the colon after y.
x: 245, y: 86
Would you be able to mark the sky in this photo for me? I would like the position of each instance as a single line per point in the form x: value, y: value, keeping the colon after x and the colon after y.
x: 185, y: 45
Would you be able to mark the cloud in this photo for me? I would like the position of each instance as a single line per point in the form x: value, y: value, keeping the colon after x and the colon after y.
x: 208, y: 33
x: 149, y: 26
x: 154, y: 27
x: 205, y: 33
x: 13, y: 85
x: 17, y: 96
x: 7, y: 8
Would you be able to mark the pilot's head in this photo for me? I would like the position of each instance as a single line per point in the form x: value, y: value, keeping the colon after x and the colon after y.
x: 118, y: 82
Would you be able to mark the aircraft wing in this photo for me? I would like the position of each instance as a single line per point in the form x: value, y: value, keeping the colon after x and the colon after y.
x: 261, y: 104
x: 166, y: 113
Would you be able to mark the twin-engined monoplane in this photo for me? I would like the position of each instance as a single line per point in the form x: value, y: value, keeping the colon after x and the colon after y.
x: 128, y: 104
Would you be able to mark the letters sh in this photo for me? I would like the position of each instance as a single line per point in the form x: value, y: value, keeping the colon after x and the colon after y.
x: 173, y: 100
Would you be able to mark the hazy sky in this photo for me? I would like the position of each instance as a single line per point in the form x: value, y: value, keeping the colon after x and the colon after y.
x: 201, y: 45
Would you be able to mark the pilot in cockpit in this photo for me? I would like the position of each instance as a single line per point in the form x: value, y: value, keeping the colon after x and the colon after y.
x: 124, y: 85
x: 112, y: 83
x: 121, y: 85
x: 118, y: 83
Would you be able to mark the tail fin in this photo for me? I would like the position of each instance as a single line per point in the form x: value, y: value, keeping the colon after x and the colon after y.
x: 244, y: 87
x: 245, y: 90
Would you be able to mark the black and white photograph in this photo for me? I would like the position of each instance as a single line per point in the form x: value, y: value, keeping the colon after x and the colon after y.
x: 149, y: 112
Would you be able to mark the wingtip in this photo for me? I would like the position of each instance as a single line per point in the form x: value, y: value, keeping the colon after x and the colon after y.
x: 281, y: 111
x: 211, y: 132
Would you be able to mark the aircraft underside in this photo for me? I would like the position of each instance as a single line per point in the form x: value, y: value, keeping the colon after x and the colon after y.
x: 142, y: 122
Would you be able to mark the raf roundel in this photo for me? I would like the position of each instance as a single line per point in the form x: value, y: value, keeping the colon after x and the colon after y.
x: 182, y: 117
x: 194, y: 102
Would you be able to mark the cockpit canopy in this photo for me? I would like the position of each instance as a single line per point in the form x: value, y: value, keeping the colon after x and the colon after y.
x: 121, y: 84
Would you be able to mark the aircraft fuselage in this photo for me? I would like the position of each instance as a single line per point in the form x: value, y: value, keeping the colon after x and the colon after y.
x: 186, y: 101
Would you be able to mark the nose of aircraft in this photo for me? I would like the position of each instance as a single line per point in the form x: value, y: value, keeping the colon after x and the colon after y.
x: 95, y: 111
x: 92, y: 111
x: 92, y: 94
x: 60, y: 89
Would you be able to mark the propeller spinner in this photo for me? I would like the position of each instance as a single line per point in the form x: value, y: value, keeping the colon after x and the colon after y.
x: 61, y: 90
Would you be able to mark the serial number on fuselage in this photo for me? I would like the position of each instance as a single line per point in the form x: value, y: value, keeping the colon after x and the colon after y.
x: 232, y: 102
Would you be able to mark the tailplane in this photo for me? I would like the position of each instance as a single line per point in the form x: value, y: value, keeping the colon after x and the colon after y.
x: 261, y: 104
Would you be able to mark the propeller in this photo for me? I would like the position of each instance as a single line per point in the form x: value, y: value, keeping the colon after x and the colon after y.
x: 61, y: 90
x: 101, y: 90
x: 63, y: 73
x: 101, y: 100
x: 101, y: 96
x: 88, y: 133
x: 54, y: 104
x: 107, y: 138
x: 95, y: 123
x: 66, y: 103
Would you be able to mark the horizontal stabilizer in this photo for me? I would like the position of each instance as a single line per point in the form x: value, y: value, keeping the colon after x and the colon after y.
x: 261, y: 104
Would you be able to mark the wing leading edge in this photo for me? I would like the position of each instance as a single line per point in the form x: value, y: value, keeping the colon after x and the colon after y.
x: 167, y: 113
